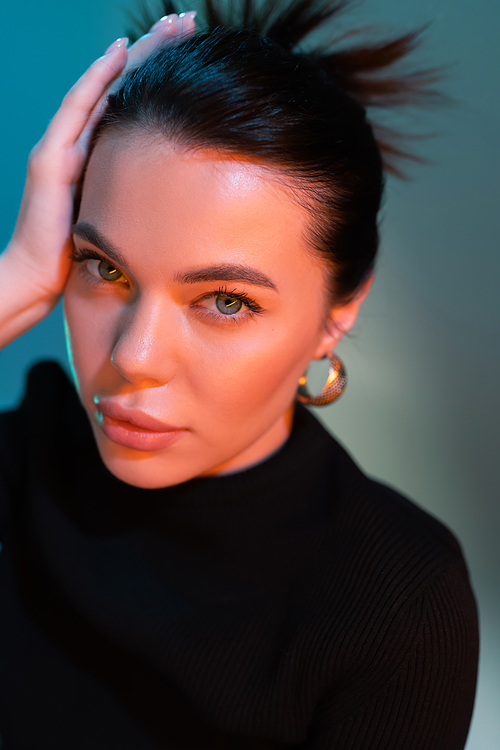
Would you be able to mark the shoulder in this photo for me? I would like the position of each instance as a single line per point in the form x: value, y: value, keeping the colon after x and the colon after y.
x: 374, y: 524
x: 367, y: 526
x: 410, y: 557
x: 389, y: 602
x: 380, y: 552
x: 403, y: 532
x: 25, y: 430
x: 46, y: 385
x: 11, y: 431
x: 386, y: 590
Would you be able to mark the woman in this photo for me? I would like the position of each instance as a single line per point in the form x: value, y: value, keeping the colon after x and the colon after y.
x: 189, y: 559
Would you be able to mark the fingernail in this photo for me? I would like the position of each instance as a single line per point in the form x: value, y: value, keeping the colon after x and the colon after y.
x: 162, y: 23
x: 185, y: 18
x: 120, y: 42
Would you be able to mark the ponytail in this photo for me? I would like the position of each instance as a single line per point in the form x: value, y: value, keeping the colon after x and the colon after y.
x: 246, y: 84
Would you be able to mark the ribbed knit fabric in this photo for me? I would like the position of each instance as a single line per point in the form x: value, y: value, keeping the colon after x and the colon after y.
x: 297, y: 604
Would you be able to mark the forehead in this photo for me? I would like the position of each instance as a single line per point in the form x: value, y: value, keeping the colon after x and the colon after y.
x: 151, y: 168
x: 148, y: 194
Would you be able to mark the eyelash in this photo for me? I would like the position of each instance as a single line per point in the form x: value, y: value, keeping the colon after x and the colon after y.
x: 83, y: 254
x: 80, y: 255
x: 253, y: 307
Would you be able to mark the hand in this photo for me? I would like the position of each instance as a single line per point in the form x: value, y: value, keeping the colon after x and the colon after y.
x: 169, y: 29
x: 37, y: 255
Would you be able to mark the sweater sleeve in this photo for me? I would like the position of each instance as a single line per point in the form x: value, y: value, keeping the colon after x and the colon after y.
x: 426, y: 700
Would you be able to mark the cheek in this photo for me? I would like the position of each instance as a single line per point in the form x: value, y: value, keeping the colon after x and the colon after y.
x: 89, y: 325
x: 244, y: 371
x: 247, y: 377
x: 259, y: 363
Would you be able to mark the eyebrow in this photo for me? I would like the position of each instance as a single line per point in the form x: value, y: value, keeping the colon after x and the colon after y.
x: 223, y: 272
x: 226, y: 272
x: 88, y: 232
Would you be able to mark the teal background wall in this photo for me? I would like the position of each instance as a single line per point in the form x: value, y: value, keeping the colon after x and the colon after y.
x: 421, y: 408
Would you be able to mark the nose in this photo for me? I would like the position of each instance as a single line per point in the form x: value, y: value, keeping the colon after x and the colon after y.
x: 143, y: 350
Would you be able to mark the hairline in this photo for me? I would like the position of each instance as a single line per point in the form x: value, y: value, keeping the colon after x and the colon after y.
x: 298, y: 188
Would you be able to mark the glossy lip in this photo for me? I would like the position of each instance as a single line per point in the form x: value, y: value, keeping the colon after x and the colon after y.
x: 135, y: 429
x: 135, y: 417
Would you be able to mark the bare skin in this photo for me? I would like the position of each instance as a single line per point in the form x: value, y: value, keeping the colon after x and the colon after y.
x: 35, y: 265
x: 218, y: 360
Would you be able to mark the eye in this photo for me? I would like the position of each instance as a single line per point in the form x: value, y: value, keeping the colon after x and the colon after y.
x: 95, y: 268
x: 221, y: 303
x: 228, y: 305
x: 104, y: 270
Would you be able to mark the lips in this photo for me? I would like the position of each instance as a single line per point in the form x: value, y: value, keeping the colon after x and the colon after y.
x: 135, y: 417
x: 136, y: 429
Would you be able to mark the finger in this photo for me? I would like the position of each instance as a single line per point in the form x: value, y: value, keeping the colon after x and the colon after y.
x: 164, y: 29
x: 72, y: 116
x: 169, y: 29
x: 162, y: 23
x: 186, y: 24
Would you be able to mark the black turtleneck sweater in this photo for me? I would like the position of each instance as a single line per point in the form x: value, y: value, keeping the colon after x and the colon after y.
x: 297, y: 603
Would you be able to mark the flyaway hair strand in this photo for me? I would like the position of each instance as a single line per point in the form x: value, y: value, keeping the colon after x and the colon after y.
x: 363, y: 71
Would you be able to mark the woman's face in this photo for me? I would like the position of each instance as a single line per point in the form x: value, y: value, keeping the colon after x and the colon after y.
x: 201, y: 310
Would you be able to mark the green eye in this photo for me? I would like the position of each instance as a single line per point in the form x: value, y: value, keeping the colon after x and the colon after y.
x: 228, y: 305
x: 107, y: 271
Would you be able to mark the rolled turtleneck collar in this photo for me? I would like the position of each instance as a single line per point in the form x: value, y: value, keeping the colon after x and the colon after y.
x: 216, y: 537
x: 256, y: 609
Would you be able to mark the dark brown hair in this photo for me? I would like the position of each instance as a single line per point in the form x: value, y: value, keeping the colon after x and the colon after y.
x: 243, y: 85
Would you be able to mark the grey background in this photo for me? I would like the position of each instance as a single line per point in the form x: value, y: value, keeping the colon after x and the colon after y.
x: 421, y: 407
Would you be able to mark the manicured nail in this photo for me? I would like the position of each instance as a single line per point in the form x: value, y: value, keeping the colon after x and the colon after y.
x: 162, y: 23
x: 184, y: 21
x: 120, y: 42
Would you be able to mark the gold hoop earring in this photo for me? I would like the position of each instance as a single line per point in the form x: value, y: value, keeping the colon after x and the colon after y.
x: 332, y: 389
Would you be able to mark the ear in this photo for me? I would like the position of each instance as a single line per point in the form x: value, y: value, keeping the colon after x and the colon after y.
x: 341, y: 320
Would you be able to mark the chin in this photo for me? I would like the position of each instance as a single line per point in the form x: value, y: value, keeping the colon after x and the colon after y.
x: 144, y: 471
x: 149, y: 470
